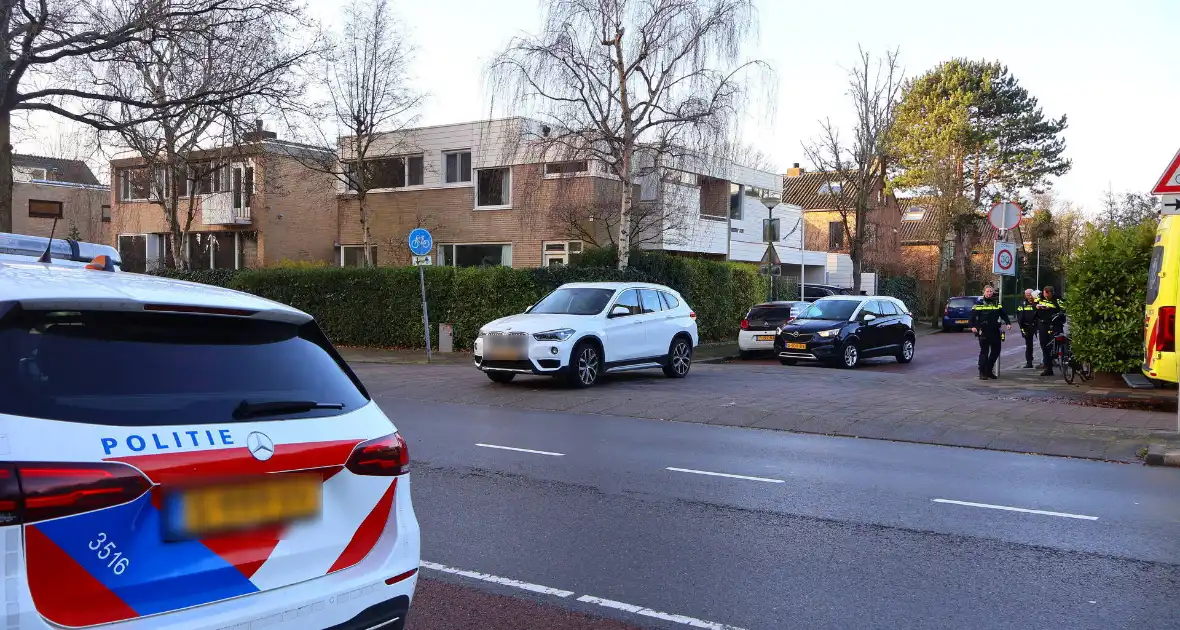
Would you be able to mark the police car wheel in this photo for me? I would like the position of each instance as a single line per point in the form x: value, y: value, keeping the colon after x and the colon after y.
x: 906, y: 354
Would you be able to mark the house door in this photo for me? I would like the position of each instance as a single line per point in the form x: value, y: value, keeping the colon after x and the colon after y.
x: 557, y: 253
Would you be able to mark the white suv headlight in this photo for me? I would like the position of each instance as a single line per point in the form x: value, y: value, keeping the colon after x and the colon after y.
x: 560, y: 334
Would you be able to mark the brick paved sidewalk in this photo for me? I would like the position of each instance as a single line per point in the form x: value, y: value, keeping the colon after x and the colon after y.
x: 834, y: 402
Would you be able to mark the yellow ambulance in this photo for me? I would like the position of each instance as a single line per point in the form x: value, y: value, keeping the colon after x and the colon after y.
x: 1163, y: 288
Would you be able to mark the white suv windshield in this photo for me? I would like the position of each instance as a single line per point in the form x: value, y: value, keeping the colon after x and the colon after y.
x: 137, y: 369
x: 581, y: 301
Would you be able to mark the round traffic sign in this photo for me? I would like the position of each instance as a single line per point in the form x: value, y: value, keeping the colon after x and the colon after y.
x: 1004, y: 259
x: 420, y: 242
x: 1005, y: 215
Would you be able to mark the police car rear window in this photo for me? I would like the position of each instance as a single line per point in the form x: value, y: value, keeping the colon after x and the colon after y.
x: 141, y: 369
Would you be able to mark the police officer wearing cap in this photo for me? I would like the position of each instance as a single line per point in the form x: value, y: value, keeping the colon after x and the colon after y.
x: 1048, y: 325
x: 986, y: 316
x: 1026, y: 319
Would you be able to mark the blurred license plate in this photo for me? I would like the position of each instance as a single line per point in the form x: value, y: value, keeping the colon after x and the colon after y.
x: 797, y: 346
x: 960, y: 321
x: 279, y: 498
x: 764, y: 338
x: 505, y: 354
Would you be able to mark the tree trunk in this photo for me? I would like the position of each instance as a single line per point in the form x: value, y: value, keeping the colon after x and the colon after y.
x: 625, y: 218
x: 5, y: 171
x: 363, y: 202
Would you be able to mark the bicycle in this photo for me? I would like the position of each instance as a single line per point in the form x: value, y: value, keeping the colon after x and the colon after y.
x: 1062, y: 356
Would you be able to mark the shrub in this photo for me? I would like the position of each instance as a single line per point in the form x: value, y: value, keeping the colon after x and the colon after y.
x: 381, y: 307
x: 904, y: 288
x: 1107, y: 280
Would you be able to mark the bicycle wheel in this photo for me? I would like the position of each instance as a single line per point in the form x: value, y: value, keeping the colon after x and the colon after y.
x: 1069, y: 371
x: 1086, y: 370
x: 1061, y: 359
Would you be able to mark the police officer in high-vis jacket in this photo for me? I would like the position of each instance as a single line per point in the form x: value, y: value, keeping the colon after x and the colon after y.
x: 985, y: 322
x: 1049, y: 325
x: 1026, y: 319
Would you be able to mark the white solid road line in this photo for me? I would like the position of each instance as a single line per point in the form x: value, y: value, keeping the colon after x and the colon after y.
x: 655, y: 614
x: 495, y: 579
x: 717, y: 474
x: 1016, y: 509
x: 522, y: 450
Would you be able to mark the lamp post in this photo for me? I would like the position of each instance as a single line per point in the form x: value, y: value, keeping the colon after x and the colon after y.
x: 770, y: 234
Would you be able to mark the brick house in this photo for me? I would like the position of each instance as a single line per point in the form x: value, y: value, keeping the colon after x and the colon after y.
x: 256, y: 204
x: 45, y: 189
x: 815, y: 193
x: 490, y: 199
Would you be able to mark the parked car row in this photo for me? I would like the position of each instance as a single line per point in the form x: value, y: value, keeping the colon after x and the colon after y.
x: 840, y: 330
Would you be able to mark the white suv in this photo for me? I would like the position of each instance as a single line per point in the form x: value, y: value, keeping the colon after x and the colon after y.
x: 182, y: 456
x: 583, y: 330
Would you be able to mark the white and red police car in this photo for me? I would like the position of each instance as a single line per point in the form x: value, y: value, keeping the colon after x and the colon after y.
x: 182, y: 456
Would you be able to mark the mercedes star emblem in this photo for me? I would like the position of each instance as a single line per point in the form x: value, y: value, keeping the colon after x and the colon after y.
x: 260, y: 446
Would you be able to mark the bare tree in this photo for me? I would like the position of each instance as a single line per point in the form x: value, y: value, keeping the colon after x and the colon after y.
x: 856, y: 170
x: 610, y: 80
x: 183, y: 105
x: 40, y: 38
x: 370, y: 106
x: 748, y: 155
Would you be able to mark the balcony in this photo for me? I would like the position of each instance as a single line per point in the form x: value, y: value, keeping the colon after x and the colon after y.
x: 219, y: 209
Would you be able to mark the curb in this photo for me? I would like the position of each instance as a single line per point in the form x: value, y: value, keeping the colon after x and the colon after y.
x: 1158, y: 455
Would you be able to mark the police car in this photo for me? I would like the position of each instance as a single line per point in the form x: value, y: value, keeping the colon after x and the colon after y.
x: 182, y: 456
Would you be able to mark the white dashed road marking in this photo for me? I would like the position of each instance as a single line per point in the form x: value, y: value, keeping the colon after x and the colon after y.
x: 585, y: 599
x: 521, y: 450
x: 1016, y: 509
x: 495, y: 579
x: 717, y: 474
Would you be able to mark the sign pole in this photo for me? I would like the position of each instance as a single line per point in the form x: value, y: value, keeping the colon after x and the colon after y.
x: 420, y: 245
x: 425, y: 311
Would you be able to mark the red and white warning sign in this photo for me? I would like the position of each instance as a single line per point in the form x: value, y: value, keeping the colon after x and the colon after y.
x: 1004, y: 259
x: 1169, y: 182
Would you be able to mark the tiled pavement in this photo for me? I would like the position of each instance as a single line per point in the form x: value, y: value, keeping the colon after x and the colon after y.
x: 859, y: 403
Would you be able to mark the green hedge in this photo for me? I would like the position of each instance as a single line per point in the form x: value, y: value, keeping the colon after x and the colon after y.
x: 1107, y: 280
x: 380, y: 307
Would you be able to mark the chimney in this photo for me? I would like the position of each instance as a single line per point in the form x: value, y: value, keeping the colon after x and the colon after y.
x: 794, y: 171
x: 259, y: 134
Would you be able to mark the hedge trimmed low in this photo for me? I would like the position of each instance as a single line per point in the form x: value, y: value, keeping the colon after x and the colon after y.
x: 381, y: 307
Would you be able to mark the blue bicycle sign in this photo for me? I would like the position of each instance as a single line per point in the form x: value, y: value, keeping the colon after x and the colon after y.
x: 420, y: 242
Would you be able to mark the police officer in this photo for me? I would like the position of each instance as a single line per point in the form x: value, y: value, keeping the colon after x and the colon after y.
x: 1048, y: 325
x: 985, y: 323
x: 1026, y: 318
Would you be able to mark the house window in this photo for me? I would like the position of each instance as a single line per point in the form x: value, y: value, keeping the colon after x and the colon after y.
x: 106, y: 214
x: 831, y: 188
x: 395, y: 172
x: 458, y: 167
x: 475, y: 255
x: 566, y: 168
x: 557, y: 253
x: 354, y: 255
x: 44, y: 209
x: 914, y: 213
x: 835, y: 235
x: 735, y: 201
x: 134, y: 184
x: 133, y: 252
x: 493, y: 188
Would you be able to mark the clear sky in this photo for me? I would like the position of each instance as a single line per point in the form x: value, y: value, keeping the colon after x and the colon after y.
x: 1112, y: 67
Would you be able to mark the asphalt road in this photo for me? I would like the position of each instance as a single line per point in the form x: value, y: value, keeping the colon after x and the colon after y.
x: 802, y: 532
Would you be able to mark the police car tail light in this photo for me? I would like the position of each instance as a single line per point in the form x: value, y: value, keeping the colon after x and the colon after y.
x: 53, y: 490
x: 9, y: 497
x: 1166, y: 329
x: 383, y: 457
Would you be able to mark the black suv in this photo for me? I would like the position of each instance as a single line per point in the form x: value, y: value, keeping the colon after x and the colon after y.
x: 813, y: 292
x: 843, y: 329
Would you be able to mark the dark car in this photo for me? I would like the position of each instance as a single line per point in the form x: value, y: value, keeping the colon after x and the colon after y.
x: 813, y: 292
x: 843, y: 329
x: 762, y: 322
x: 957, y: 315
